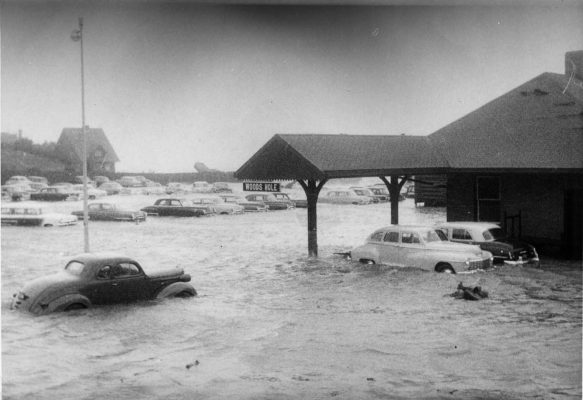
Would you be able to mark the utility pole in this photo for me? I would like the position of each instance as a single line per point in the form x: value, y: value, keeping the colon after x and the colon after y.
x: 77, y: 36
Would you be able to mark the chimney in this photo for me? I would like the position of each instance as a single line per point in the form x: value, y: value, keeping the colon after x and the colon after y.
x: 574, y: 62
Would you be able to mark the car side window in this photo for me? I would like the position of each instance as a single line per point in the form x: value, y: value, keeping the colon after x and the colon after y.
x: 377, y: 236
x: 460, y: 234
x: 124, y: 270
x: 409, y: 238
x: 104, y: 272
x: 392, y: 237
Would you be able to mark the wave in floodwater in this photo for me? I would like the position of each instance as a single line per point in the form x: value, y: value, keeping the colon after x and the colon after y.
x: 271, y: 323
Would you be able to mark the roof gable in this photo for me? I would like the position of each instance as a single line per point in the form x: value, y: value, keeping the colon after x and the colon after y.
x: 312, y: 156
x: 72, y: 140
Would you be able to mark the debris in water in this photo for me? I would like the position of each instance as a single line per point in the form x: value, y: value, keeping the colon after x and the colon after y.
x: 189, y: 366
x: 469, y: 293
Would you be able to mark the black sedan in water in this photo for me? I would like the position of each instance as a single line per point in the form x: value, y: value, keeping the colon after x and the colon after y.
x: 491, y: 237
x: 175, y: 207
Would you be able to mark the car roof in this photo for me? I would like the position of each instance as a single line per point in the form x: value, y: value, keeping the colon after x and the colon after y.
x: 469, y: 224
x: 89, y: 258
x: 401, y: 227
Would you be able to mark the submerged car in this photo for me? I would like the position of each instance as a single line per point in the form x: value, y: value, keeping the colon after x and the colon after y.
x: 218, y: 205
x: 111, y: 212
x: 491, y: 237
x: 222, y: 187
x: 96, y: 279
x: 92, y: 192
x: 176, y: 207
x: 421, y: 247
x: 347, y: 196
x: 111, y: 188
x: 246, y: 204
x: 270, y: 200
x: 55, y: 193
x: 33, y: 215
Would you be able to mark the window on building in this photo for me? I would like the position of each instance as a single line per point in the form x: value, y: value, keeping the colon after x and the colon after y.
x: 488, y: 197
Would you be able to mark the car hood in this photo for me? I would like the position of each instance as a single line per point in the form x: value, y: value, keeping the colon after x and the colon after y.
x: 510, y: 244
x: 451, y: 246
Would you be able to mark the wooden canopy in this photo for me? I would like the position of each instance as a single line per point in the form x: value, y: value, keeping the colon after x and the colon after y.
x: 318, y: 157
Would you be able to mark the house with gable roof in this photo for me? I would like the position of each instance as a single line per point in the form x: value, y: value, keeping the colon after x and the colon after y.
x: 518, y: 161
x: 101, y: 156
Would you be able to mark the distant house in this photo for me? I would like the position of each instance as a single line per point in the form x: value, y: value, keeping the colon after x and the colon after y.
x: 9, y: 138
x: 518, y: 160
x: 101, y: 156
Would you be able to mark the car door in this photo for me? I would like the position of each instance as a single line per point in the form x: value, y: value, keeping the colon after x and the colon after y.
x: 164, y: 208
x: 94, y: 211
x: 390, y: 248
x: 128, y: 283
x: 412, y: 250
x: 101, y: 290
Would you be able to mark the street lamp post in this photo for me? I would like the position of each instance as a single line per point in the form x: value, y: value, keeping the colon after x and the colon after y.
x: 77, y: 36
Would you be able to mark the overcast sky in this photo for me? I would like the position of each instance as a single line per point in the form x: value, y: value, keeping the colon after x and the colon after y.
x: 175, y: 83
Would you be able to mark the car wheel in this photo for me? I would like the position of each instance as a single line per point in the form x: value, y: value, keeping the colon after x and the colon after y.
x: 444, y: 268
x: 74, y: 306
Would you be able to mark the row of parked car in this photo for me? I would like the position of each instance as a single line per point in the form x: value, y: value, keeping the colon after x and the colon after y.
x: 444, y: 247
x: 37, y: 188
x: 25, y: 213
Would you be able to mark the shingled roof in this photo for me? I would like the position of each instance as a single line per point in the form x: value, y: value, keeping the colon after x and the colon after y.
x: 313, y: 156
x: 537, y: 126
x: 71, y: 139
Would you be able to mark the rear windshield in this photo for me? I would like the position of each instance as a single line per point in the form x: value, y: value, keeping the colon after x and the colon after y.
x: 75, y: 267
x: 494, y: 234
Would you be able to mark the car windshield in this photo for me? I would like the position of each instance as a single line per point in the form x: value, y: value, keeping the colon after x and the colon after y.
x: 75, y: 267
x: 494, y: 234
x: 434, y: 236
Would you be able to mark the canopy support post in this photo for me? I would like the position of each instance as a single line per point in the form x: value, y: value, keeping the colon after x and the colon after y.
x: 394, y: 187
x: 312, y: 189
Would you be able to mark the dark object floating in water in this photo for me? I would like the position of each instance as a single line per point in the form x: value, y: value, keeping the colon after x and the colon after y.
x: 469, y: 293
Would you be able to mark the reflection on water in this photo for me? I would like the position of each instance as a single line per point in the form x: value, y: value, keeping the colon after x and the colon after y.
x: 270, y: 323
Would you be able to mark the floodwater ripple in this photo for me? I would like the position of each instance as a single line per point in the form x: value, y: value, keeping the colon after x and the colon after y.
x: 271, y: 323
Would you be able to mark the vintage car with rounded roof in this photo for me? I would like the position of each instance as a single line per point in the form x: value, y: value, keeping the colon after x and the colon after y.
x: 106, y: 211
x: 421, y: 247
x: 96, y: 279
x: 218, y: 204
x: 242, y: 201
x: 491, y: 237
x: 270, y: 201
x: 344, y: 196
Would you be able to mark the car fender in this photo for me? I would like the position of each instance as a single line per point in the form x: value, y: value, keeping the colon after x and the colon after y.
x: 61, y: 303
x: 174, y: 288
x: 365, y: 252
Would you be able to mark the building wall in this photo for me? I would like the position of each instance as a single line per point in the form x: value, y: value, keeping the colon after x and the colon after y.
x: 539, y: 199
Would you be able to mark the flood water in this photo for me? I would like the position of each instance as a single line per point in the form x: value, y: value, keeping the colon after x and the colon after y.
x: 269, y: 323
